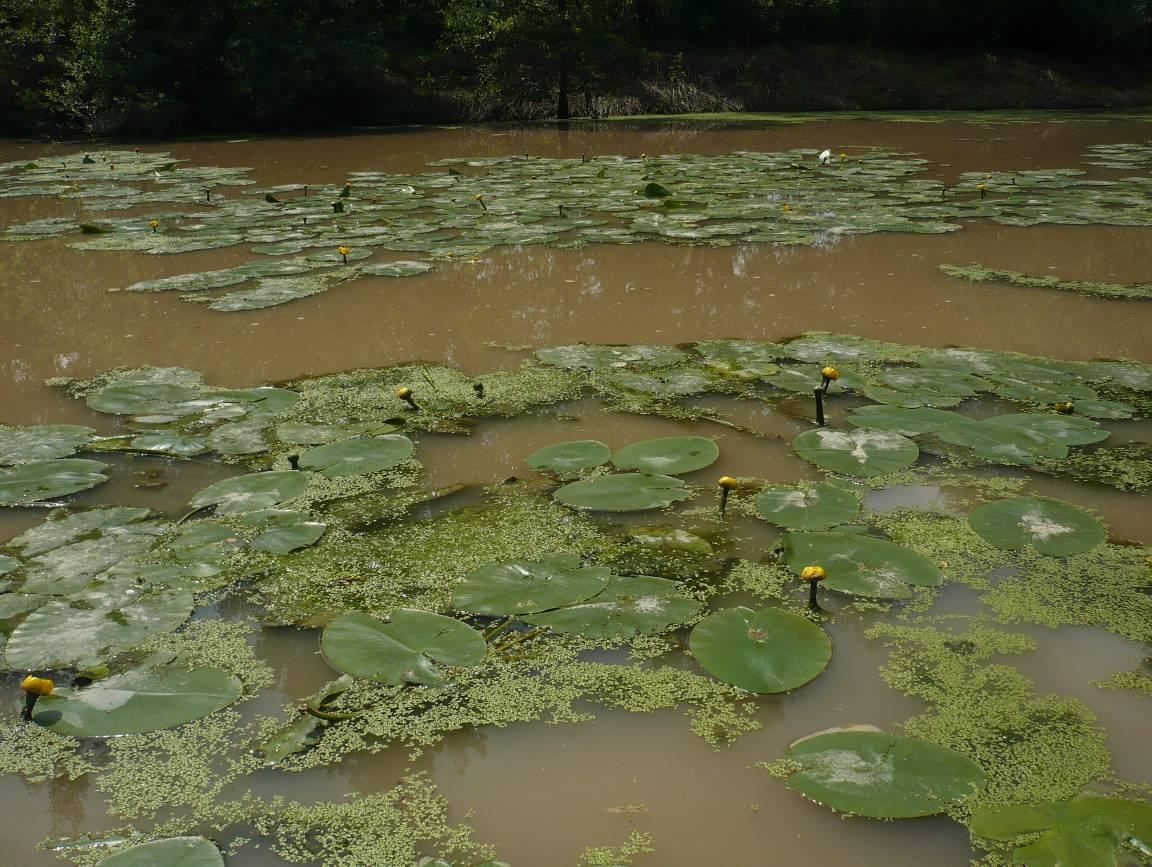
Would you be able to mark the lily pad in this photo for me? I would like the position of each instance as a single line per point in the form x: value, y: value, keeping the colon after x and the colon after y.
x: 62, y: 531
x: 252, y: 491
x: 358, y: 456
x: 585, y: 356
x: 866, y: 772
x: 816, y: 507
x: 42, y: 442
x: 1088, y: 831
x: 570, y: 456
x: 1002, y: 443
x: 623, y: 492
x: 743, y: 359
x: 1051, y: 527
x: 1067, y: 429
x: 667, y: 455
x: 861, y: 565
x: 766, y: 651
x: 529, y: 586
x: 906, y: 421
x: 405, y: 649
x: 628, y: 606
x: 170, y: 443
x: 141, y: 700
x: 862, y: 452
x: 42, y: 480
x: 171, y: 852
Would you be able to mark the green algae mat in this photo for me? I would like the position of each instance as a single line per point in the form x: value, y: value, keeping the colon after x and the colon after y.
x: 446, y: 609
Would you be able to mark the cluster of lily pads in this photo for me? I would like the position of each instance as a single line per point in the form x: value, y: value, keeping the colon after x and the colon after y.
x: 421, y: 613
x: 474, y: 205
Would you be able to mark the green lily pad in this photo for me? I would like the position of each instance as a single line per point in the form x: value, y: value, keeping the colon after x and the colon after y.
x: 866, y: 772
x: 358, y: 456
x: 56, y: 532
x: 816, y: 507
x: 58, y: 635
x: 678, y: 382
x: 861, y: 452
x: 1051, y: 527
x: 905, y: 421
x: 766, y: 651
x: 1002, y: 443
x: 594, y: 357
x: 861, y: 565
x: 315, y: 433
x: 804, y: 379
x: 42, y: 442
x: 628, y: 606
x: 570, y: 456
x: 171, y: 852
x: 405, y: 649
x: 667, y: 455
x: 1067, y: 429
x: 141, y: 700
x: 252, y: 491
x: 529, y: 586
x: 169, y: 443
x: 395, y: 269
x: 8, y: 564
x: 41, y: 480
x: 1088, y: 831
x: 743, y: 359
x: 144, y: 398
x: 623, y: 492
x: 284, y: 538
x: 1104, y: 409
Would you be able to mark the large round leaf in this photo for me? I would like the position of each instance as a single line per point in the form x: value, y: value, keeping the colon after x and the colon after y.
x: 354, y: 457
x: 42, y: 442
x: 901, y: 420
x: 1049, y: 526
x: 570, y: 456
x: 172, y: 852
x: 57, y: 532
x: 405, y: 649
x: 1088, y: 831
x: 627, y: 606
x: 744, y: 359
x: 861, y: 565
x: 1066, y: 429
x: 861, y: 452
x: 529, y: 586
x: 252, y: 491
x: 872, y: 773
x: 58, y: 635
x: 770, y: 650
x: 139, y: 398
x: 623, y: 492
x: 816, y: 507
x: 593, y: 357
x: 40, y: 480
x: 668, y: 455
x: 141, y: 700
x: 1002, y: 443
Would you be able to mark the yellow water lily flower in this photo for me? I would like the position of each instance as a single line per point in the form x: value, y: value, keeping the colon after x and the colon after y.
x: 813, y: 573
x: 786, y: 207
x: 37, y: 685
x: 830, y: 373
x: 154, y: 224
x: 403, y: 393
x: 727, y: 482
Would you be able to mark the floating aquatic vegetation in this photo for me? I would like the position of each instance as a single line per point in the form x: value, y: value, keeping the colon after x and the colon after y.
x: 251, y: 492
x: 861, y: 565
x: 629, y: 605
x: 765, y: 651
x: 623, y: 492
x: 863, y: 771
x: 1088, y: 831
x: 861, y: 452
x: 570, y: 456
x: 171, y: 852
x: 981, y: 274
x: 351, y: 457
x: 41, y: 480
x: 807, y: 507
x: 155, y: 695
x: 521, y: 587
x: 667, y: 455
x: 407, y: 648
x: 22, y: 445
x: 592, y: 357
x: 1049, y: 526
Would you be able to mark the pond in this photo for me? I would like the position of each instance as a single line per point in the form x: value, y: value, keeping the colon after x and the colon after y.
x: 978, y: 494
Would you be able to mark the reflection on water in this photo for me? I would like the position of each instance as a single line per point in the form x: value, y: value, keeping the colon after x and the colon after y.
x: 544, y: 792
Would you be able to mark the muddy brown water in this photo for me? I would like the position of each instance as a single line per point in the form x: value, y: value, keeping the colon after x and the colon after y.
x: 541, y: 792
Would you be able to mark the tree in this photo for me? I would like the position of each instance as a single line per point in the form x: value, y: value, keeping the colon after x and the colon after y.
x: 523, y: 47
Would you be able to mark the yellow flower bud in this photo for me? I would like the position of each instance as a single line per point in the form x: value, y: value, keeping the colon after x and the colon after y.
x: 830, y: 373
x: 843, y: 156
x: 343, y: 251
x: 813, y: 573
x: 786, y: 207
x: 403, y: 393
x: 1064, y: 407
x: 477, y: 197
x: 37, y: 685
x: 153, y: 223
x: 727, y: 482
